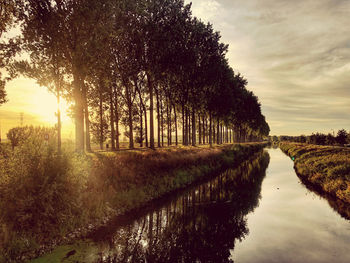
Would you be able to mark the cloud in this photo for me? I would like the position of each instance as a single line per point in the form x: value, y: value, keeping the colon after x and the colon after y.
x: 207, y: 9
x: 295, y: 55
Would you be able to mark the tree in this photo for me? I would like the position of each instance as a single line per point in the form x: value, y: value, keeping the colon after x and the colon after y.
x: 341, y: 136
x: 16, y: 135
x: 7, y: 10
x: 330, y: 140
x: 126, y: 57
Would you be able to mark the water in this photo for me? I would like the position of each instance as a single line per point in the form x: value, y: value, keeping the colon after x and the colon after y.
x: 259, y: 212
x: 292, y: 224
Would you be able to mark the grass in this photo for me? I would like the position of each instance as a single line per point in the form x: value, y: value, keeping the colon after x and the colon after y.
x: 240, y: 183
x: 45, y: 197
x: 326, y: 167
x: 78, y: 252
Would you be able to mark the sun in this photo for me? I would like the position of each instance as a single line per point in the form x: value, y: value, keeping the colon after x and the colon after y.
x: 46, y: 106
x: 46, y: 110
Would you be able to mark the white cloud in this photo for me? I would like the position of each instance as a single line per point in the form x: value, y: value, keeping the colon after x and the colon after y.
x: 295, y: 55
x: 206, y: 10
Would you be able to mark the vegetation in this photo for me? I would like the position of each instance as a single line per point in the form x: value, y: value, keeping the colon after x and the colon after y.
x: 120, y: 62
x: 149, y: 66
x: 342, y: 138
x: 7, y: 9
x: 178, y: 230
x: 327, y: 168
x: 45, y: 195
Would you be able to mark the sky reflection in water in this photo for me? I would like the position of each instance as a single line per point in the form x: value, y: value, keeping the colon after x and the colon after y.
x: 292, y: 224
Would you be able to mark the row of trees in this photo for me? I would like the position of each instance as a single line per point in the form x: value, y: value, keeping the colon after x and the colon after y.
x: 342, y: 138
x: 120, y: 62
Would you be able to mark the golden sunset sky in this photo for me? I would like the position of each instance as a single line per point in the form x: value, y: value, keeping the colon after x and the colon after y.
x: 38, y: 105
x: 295, y: 55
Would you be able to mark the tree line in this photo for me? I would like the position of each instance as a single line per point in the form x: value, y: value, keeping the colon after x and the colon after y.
x: 147, y: 65
x: 341, y: 138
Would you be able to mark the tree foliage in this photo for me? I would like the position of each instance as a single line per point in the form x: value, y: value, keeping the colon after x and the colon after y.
x: 129, y: 57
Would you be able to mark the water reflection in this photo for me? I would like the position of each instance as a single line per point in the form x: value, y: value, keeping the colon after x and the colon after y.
x: 201, y: 225
x: 292, y: 224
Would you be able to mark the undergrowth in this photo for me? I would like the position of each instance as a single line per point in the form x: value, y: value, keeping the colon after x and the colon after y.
x: 324, y: 166
x: 44, y: 196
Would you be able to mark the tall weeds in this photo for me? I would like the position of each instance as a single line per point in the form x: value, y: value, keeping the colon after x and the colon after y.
x: 44, y: 196
x: 324, y: 166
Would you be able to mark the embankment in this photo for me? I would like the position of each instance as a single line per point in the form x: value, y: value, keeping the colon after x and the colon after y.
x: 326, y: 168
x: 48, y: 200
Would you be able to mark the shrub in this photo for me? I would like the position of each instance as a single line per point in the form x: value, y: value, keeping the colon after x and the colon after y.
x: 324, y: 166
x: 41, y: 192
x: 21, y: 135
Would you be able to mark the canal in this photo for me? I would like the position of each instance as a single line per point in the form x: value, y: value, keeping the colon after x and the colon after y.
x: 292, y: 223
x: 259, y: 212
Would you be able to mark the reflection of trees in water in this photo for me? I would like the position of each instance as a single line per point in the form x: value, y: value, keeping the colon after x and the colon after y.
x: 201, y: 225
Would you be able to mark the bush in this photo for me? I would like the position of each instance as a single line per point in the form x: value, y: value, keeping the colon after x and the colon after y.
x: 45, y: 195
x: 341, y: 136
x: 38, y: 135
x: 41, y: 192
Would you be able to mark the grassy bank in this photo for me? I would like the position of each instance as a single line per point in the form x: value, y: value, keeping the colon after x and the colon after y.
x: 45, y: 199
x: 325, y: 167
x: 231, y: 194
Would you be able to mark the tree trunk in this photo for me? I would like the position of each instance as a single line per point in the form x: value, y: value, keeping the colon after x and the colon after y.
x: 222, y: 134
x: 59, y: 123
x: 183, y: 125
x: 151, y: 121
x: 87, y: 122
x: 116, y: 111
x: 207, y: 129
x: 193, y: 128
x: 101, y: 120
x: 213, y: 129
x: 158, y: 120
x: 79, y: 113
x: 161, y: 121
x: 170, y: 124
x: 167, y: 121
x: 112, y: 120
x: 141, y: 126
x: 131, y: 128
x: 227, y: 135
x: 146, y: 124
x: 189, y: 127
x: 210, y: 131
x: 204, y: 131
x: 218, y: 132
x: 199, y: 130
x: 175, y: 115
x: 144, y: 111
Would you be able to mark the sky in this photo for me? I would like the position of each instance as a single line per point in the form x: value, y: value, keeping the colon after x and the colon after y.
x: 37, y: 104
x: 294, y: 54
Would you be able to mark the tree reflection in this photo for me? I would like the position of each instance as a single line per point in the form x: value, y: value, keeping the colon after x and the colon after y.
x: 201, y: 225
